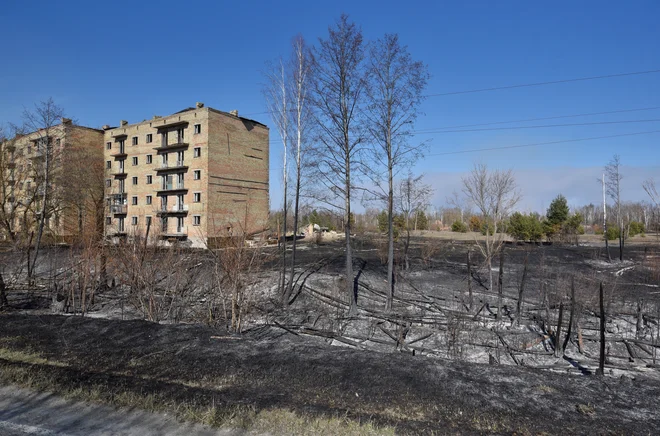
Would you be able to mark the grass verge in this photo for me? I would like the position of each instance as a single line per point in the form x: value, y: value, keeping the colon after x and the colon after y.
x: 32, y: 371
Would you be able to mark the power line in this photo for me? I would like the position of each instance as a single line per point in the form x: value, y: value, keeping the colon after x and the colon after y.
x: 564, y: 141
x: 275, y: 141
x: 595, y: 123
x: 552, y: 82
x: 543, y: 118
x: 524, y: 85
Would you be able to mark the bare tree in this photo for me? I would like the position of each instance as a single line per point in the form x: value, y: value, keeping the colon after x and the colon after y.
x: 412, y: 196
x: 394, y: 91
x: 338, y: 84
x: 613, y: 179
x: 277, y: 100
x: 494, y: 194
x: 299, y: 88
x: 42, y: 121
x: 652, y: 191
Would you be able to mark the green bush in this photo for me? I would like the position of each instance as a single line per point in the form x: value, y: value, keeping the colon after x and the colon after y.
x: 635, y: 228
x: 525, y: 227
x: 487, y: 228
x: 459, y: 227
x: 612, y: 232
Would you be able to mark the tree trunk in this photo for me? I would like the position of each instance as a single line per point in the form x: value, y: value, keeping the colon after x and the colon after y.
x: 640, y: 319
x: 42, y: 219
x: 500, y: 287
x: 3, y: 294
x: 521, y: 290
x: 572, y: 315
x: 351, y: 287
x: 558, y: 349
x: 469, y: 281
x: 390, y: 240
x: 601, y: 362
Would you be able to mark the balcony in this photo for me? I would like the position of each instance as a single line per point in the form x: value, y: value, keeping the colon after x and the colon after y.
x: 171, y: 125
x: 118, y: 209
x: 120, y: 174
x: 166, y: 148
x: 119, y: 198
x: 178, y: 233
x: 176, y: 210
x: 175, y: 166
x: 119, y: 155
x: 170, y: 189
x: 10, y: 147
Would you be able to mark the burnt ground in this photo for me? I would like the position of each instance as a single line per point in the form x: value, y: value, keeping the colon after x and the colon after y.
x: 266, y: 368
x: 432, y: 364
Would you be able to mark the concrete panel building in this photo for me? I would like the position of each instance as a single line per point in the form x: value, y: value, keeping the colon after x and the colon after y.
x: 74, y: 200
x: 191, y: 177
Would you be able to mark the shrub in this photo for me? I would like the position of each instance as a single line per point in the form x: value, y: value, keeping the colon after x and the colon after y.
x: 459, y: 227
x: 525, y: 227
x: 475, y: 223
x: 612, y: 232
x: 487, y: 228
x: 635, y: 228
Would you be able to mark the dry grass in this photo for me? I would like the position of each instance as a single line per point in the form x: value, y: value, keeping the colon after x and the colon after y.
x: 30, y: 370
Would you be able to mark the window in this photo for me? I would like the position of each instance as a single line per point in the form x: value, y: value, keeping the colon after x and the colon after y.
x: 108, y: 145
x: 197, y: 174
x: 58, y: 142
x: 149, y: 179
x: 108, y: 183
x: 29, y: 149
x: 108, y: 221
x: 198, y: 128
x: 197, y: 197
x: 108, y: 164
x: 148, y: 221
x: 197, y: 152
x: 134, y: 220
x: 149, y: 198
x: 134, y: 140
x: 135, y: 180
x: 149, y: 158
x: 150, y: 138
x: 135, y: 160
x: 197, y: 220
x: 134, y: 201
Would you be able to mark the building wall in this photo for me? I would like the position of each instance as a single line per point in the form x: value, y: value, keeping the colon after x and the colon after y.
x: 69, y: 142
x: 213, y: 210
x: 238, y: 175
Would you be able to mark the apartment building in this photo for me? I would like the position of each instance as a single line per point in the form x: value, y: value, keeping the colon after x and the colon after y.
x: 67, y: 176
x: 191, y: 177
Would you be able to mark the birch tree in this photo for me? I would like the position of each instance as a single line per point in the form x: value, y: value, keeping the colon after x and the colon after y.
x: 613, y: 179
x: 276, y: 94
x: 338, y: 85
x: 494, y: 194
x: 299, y: 89
x: 395, y: 83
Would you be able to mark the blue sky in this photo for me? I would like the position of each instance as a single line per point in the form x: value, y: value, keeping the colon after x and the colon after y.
x: 106, y: 61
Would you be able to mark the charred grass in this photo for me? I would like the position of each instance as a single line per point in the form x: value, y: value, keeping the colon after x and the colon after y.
x: 293, y: 385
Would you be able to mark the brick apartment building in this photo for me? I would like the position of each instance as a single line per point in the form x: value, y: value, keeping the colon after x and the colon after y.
x: 193, y: 176
x: 74, y: 153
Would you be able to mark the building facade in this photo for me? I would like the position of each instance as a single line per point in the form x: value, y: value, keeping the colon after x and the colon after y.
x: 58, y: 164
x: 193, y: 177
